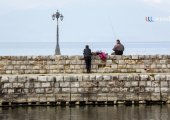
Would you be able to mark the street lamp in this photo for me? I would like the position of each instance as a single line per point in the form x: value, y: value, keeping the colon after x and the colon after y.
x: 57, y: 15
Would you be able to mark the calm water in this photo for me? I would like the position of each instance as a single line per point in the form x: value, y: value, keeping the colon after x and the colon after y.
x: 75, y: 48
x: 121, y: 112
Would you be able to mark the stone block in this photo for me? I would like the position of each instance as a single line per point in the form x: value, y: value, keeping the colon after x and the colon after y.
x: 23, y: 67
x: 102, y: 97
x: 86, y: 77
x: 155, y: 83
x: 7, y: 85
x: 144, y: 77
x: 112, y: 97
x: 65, y: 84
x: 127, y: 84
x: 51, y: 99
x: 51, y: 78
x: 130, y: 77
x: 22, y: 79
x: 36, y: 85
x: 56, y: 85
x: 57, y: 90
x: 123, y: 77
x: 80, y: 90
x: 155, y: 97
x: 20, y: 99
x: 4, y: 79
x: 108, y: 62
x: 10, y: 91
x: 13, y: 79
x: 75, y: 84
x: 76, y: 97
x: 40, y: 90
x: 92, y: 77
x: 107, y: 77
x: 105, y: 90
x: 99, y: 77
x: 73, y: 90
x: 63, y: 97
x: 164, y: 89
x: 49, y: 90
x: 114, y: 90
x: 142, y: 83
x: 43, y: 99
x: 59, y: 78
x: 42, y: 78
x: 164, y: 84
x: 18, y: 85
x: 132, y: 97
x: 46, y: 84
x: 67, y: 78
x: 157, y: 90
x: 90, y: 97
x: 164, y: 96
x: 121, y: 96
x: 134, y: 83
x: 8, y: 72
x: 167, y: 77
x: 148, y: 83
x: 163, y: 61
x: 144, y: 96
x: 123, y: 70
x: 33, y: 98
x: 114, y: 66
x: 149, y: 89
x: 124, y: 90
x: 77, y: 67
x: 135, y: 57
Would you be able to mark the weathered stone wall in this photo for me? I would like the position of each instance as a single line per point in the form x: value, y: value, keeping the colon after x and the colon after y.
x: 85, y: 87
x: 75, y: 64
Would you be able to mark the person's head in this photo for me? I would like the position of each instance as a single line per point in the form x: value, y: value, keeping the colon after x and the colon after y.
x: 87, y: 46
x: 118, y: 41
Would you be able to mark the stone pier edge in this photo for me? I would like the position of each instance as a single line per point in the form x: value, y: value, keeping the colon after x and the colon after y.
x: 66, y: 89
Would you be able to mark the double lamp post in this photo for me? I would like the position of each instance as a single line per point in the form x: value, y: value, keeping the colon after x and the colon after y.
x: 57, y: 15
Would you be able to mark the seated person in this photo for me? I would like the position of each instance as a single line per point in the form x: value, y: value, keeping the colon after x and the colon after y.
x: 118, y: 48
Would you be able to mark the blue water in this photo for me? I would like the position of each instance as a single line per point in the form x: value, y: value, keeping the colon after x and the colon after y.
x: 76, y: 48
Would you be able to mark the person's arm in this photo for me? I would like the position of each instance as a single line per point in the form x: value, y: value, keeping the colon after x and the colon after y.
x: 84, y: 52
x: 114, y: 48
x: 90, y: 53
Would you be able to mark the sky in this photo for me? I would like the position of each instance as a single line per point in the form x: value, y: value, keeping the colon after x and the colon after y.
x: 84, y: 20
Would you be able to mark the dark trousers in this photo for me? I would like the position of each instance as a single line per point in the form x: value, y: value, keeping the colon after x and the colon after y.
x: 117, y: 52
x: 88, y: 64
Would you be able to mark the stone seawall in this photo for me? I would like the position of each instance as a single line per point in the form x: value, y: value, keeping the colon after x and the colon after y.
x: 75, y: 64
x: 110, y: 88
x: 61, y: 79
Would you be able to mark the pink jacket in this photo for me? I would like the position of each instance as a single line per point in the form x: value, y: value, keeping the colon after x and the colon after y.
x: 103, y: 56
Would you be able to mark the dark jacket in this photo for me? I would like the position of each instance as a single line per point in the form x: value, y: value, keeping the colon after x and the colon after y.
x: 118, y: 47
x: 87, y: 52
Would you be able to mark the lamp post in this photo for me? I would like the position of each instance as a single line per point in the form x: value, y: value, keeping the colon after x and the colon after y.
x: 57, y: 15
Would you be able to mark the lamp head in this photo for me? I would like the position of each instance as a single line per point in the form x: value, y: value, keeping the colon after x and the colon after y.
x: 53, y: 16
x: 61, y: 17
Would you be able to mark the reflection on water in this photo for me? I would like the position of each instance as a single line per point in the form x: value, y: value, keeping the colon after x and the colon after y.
x: 121, y: 112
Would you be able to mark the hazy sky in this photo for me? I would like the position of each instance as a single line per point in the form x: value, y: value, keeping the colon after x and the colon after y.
x: 84, y: 20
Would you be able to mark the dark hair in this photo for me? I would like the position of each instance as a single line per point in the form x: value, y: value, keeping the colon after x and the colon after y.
x: 87, y: 46
x: 118, y: 41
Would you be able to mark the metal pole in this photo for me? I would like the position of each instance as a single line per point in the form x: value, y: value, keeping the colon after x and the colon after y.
x: 57, y: 50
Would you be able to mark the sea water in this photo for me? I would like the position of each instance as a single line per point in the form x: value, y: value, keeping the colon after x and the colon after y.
x: 76, y: 48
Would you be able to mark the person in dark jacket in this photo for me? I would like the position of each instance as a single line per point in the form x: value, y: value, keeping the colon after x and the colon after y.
x: 87, y: 57
x: 118, y: 48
